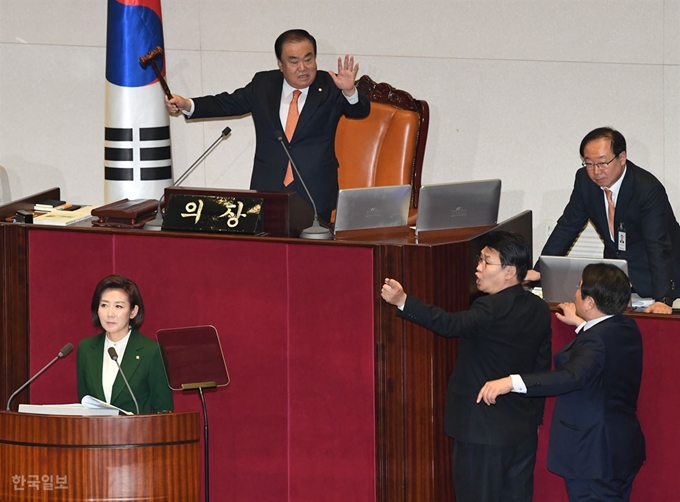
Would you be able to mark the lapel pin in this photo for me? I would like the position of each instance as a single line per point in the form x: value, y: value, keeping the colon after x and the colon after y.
x: 320, y: 89
x: 137, y: 357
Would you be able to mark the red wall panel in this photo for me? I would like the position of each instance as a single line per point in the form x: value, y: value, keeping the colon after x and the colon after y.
x: 297, y: 421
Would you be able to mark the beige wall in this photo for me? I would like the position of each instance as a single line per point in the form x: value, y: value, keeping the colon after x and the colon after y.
x: 512, y: 85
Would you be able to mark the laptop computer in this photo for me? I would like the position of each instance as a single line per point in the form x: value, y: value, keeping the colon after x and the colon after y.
x: 561, y: 275
x: 372, y: 207
x: 458, y: 205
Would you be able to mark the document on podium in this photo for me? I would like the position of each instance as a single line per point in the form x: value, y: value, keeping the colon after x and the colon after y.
x: 89, y: 406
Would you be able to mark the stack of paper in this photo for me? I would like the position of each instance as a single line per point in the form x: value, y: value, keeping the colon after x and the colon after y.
x: 64, y: 218
x: 89, y: 406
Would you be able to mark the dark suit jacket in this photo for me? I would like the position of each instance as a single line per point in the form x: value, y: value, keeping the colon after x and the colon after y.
x: 142, y: 365
x: 595, y: 432
x: 313, y: 144
x: 500, y: 333
x: 643, y: 210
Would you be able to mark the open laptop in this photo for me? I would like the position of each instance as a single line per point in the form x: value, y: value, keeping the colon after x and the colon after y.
x: 561, y: 275
x: 458, y: 205
x: 372, y: 207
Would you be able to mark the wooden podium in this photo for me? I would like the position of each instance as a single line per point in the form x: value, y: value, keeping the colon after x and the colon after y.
x: 135, y: 458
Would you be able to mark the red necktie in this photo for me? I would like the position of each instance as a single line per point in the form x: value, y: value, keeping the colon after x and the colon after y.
x: 291, y: 122
x: 610, y: 212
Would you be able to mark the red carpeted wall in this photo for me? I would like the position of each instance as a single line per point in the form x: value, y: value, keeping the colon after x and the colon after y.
x: 296, y: 321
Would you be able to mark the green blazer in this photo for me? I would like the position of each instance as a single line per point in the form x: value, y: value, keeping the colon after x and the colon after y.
x: 142, y: 365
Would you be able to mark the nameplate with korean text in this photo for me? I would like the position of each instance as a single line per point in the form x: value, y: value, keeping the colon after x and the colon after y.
x: 212, y: 213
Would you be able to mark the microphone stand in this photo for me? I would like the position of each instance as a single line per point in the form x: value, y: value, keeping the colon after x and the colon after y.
x: 63, y: 352
x: 157, y: 222
x: 200, y: 386
x: 316, y: 231
x: 113, y: 355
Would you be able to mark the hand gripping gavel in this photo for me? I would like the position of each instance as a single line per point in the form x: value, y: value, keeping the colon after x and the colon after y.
x: 150, y: 59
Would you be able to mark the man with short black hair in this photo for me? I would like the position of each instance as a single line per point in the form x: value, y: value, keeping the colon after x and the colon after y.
x: 596, y: 443
x: 494, y: 451
x: 630, y: 210
x: 295, y: 101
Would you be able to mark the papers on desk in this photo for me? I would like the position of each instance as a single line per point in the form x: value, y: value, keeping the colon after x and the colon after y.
x: 89, y: 406
x: 64, y: 218
x: 96, y: 404
x: 636, y: 301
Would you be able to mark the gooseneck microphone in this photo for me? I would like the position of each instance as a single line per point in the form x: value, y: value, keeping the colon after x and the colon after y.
x: 157, y: 222
x: 316, y: 231
x: 66, y: 350
x: 114, y: 355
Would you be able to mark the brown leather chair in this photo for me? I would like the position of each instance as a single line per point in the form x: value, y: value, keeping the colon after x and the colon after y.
x: 388, y: 146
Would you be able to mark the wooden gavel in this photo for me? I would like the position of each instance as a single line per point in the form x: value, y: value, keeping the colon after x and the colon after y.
x: 150, y: 59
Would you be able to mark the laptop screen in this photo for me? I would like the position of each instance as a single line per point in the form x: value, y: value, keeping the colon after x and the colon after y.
x: 561, y: 275
x: 372, y: 207
x: 458, y: 205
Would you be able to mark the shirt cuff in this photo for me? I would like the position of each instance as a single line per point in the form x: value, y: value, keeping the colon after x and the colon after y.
x: 401, y: 307
x: 518, y: 384
x: 354, y: 98
x: 191, y: 111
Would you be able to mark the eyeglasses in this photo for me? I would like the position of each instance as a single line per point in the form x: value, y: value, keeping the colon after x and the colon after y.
x: 602, y: 166
x: 480, y: 259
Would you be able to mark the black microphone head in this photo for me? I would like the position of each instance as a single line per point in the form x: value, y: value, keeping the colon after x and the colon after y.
x: 113, y: 354
x: 66, y: 350
x: 279, y: 135
x: 226, y: 131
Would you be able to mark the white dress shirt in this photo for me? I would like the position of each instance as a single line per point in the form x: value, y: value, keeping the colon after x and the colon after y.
x: 110, y: 368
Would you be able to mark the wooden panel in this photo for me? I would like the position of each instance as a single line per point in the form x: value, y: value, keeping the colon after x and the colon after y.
x: 59, y: 458
x: 14, y: 345
x: 14, y: 297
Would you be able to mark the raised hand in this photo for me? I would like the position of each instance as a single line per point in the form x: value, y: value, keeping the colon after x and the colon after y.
x: 347, y: 74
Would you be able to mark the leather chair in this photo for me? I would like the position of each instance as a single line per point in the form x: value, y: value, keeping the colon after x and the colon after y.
x: 388, y: 146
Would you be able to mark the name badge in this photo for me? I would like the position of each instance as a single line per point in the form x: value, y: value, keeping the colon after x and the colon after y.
x: 212, y: 213
x: 621, y: 239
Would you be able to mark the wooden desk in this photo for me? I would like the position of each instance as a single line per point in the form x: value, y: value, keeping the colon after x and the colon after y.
x: 332, y: 397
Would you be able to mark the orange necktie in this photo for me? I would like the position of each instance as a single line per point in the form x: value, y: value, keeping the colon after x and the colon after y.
x: 610, y: 212
x: 291, y: 122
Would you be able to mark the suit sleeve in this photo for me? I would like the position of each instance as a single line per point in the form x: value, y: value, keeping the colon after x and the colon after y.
x: 161, y: 394
x: 570, y: 224
x: 585, y: 361
x: 465, y: 323
x: 654, y: 214
x: 358, y: 110
x: 240, y: 102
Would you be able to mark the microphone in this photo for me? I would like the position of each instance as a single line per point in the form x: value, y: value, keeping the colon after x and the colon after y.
x: 114, y: 355
x: 316, y: 231
x: 66, y: 350
x: 157, y: 222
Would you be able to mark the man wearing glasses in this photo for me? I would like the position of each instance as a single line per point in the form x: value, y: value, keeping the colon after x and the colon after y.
x: 494, y: 452
x: 630, y: 210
